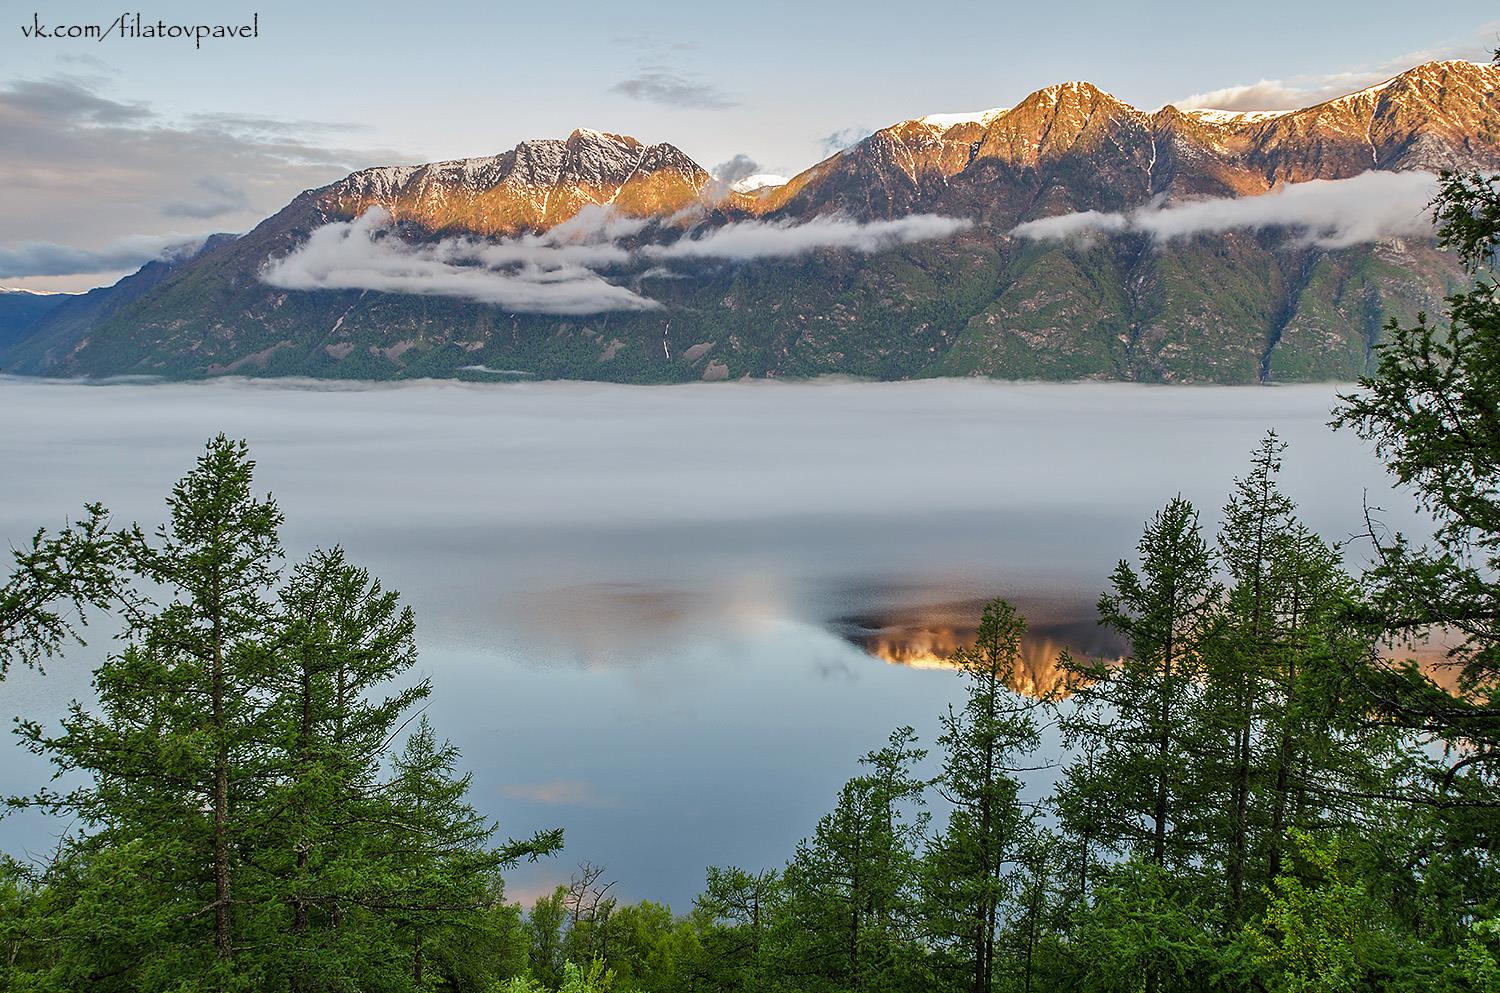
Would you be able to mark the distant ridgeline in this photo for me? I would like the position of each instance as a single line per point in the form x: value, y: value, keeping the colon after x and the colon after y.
x: 1071, y: 236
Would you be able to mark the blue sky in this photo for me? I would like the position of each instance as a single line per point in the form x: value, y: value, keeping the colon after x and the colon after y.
x: 136, y: 138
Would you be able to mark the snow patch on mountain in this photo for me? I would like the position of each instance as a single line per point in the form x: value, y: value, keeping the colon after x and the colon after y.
x: 945, y: 121
x: 759, y: 181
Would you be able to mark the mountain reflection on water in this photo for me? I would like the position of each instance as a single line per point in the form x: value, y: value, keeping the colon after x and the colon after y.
x: 927, y: 634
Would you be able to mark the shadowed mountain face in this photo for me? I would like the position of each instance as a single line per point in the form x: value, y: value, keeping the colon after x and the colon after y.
x: 1230, y: 306
x: 21, y: 310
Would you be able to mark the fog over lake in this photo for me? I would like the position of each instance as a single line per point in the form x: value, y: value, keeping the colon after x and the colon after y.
x: 661, y: 617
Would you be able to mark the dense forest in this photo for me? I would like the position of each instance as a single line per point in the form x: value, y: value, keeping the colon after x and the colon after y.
x: 1268, y: 793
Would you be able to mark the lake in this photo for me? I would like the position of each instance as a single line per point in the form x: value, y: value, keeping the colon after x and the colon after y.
x: 670, y: 619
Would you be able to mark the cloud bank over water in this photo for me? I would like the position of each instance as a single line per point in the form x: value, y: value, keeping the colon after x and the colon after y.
x: 1329, y: 213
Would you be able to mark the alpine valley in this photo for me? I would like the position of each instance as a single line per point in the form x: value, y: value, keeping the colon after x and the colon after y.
x: 1247, y: 304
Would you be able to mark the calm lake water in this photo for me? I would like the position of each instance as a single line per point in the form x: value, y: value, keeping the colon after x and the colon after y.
x: 670, y: 619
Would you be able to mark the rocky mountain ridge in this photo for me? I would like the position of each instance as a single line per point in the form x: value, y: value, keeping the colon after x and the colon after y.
x: 1238, y: 306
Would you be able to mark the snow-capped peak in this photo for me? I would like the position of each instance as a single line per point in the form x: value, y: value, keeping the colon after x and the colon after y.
x: 759, y: 181
x: 946, y: 121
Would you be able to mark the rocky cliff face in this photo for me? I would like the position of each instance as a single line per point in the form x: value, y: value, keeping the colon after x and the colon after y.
x: 1231, y: 307
x: 1075, y: 147
x: 532, y: 187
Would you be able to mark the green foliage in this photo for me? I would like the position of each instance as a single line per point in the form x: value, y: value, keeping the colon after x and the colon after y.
x: 968, y: 868
x: 1430, y: 411
x: 240, y: 821
x: 594, y: 979
x: 1476, y: 957
x: 54, y: 582
x: 1139, y: 924
x: 1309, y: 934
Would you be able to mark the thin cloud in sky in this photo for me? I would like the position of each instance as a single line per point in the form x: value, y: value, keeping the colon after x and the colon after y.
x: 670, y: 88
x: 92, y: 175
x: 844, y: 138
x: 1309, y: 90
x: 223, y: 198
x: 41, y: 258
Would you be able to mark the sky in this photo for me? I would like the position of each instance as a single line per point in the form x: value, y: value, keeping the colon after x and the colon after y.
x: 114, y: 149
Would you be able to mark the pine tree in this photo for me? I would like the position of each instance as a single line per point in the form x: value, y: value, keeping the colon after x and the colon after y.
x: 1256, y: 535
x: 55, y: 582
x: 1135, y: 722
x: 1431, y: 412
x: 736, y: 911
x: 234, y: 824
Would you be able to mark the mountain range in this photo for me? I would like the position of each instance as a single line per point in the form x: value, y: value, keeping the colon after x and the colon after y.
x: 907, y: 254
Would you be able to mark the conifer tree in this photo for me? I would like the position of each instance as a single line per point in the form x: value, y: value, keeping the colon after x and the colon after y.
x: 341, y: 640
x: 435, y: 858
x: 1430, y: 409
x: 967, y: 866
x: 176, y: 756
x: 850, y: 889
x: 1256, y: 533
x: 737, y: 909
x: 1134, y: 721
x: 235, y: 822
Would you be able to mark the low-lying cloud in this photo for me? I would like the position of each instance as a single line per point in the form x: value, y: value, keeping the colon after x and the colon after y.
x: 1277, y: 94
x: 45, y: 258
x: 562, y: 270
x: 541, y: 274
x: 1329, y: 213
x: 775, y: 239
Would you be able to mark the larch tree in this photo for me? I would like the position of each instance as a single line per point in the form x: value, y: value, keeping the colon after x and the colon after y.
x: 176, y: 759
x: 984, y: 745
